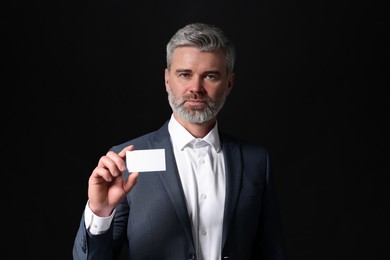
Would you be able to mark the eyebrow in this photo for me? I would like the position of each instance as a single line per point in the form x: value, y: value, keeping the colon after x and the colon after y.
x: 206, y: 72
x: 182, y: 70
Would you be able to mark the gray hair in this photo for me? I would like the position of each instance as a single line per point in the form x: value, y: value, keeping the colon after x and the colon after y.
x: 207, y: 38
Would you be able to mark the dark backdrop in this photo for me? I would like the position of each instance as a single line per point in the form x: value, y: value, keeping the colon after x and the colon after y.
x: 311, y: 85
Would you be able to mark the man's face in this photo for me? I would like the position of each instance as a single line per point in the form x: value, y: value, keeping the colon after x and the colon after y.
x: 197, y: 84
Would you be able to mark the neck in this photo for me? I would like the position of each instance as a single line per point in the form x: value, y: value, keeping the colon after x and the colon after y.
x: 197, y: 130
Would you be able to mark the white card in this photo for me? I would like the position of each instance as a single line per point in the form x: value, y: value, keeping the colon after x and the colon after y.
x: 145, y: 160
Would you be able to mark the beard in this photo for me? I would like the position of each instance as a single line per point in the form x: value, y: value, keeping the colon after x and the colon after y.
x: 196, y: 114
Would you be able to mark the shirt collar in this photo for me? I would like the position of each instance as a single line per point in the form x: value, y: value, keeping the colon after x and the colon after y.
x: 181, y: 137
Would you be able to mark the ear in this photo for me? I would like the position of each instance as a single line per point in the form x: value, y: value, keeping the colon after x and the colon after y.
x: 230, y: 83
x: 166, y: 79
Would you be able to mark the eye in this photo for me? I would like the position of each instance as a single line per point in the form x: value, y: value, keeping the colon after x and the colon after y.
x: 185, y: 75
x: 211, y: 76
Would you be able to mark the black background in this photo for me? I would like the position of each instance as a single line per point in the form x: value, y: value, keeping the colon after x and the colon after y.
x: 311, y: 85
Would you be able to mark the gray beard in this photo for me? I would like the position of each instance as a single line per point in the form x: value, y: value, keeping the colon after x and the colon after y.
x: 194, y: 115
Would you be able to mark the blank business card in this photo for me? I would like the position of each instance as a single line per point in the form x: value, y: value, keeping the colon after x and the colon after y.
x: 149, y: 160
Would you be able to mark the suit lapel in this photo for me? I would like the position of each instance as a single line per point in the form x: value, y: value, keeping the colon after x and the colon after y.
x: 171, y: 180
x: 233, y: 181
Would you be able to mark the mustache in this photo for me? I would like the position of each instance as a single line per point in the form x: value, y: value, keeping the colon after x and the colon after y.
x: 195, y: 97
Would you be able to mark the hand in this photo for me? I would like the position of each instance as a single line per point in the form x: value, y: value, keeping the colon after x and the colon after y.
x: 106, y: 187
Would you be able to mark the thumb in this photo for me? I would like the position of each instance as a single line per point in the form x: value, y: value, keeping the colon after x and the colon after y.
x: 130, y: 182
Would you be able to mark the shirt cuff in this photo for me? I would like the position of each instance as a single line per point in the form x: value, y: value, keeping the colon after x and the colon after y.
x: 96, y: 225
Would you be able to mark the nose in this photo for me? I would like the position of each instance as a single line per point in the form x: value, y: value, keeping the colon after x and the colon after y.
x: 197, y: 84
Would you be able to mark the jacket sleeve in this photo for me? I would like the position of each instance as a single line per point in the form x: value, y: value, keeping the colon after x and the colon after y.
x: 105, y: 246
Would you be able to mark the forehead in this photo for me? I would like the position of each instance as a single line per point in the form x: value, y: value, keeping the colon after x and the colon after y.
x: 191, y: 57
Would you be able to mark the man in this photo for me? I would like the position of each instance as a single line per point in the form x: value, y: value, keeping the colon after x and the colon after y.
x: 216, y: 198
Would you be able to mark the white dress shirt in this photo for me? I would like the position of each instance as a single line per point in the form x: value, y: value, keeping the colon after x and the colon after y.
x: 202, y: 173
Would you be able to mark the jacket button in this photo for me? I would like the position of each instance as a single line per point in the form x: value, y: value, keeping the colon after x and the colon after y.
x: 191, y: 257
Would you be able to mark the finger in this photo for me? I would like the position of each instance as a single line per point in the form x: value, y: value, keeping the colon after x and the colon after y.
x: 127, y: 148
x: 99, y: 173
x: 122, y: 154
x: 130, y: 182
x: 112, y: 162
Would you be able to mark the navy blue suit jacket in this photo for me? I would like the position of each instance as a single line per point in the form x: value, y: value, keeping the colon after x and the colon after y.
x: 153, y: 217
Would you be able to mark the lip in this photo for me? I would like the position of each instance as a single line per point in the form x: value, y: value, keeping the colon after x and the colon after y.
x: 195, y: 102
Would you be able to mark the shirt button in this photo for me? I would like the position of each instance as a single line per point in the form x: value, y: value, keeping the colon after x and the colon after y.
x: 203, y: 233
x: 203, y: 196
x: 201, y: 161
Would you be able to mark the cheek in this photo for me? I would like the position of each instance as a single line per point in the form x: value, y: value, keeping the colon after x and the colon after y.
x: 176, y: 86
x: 216, y: 92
